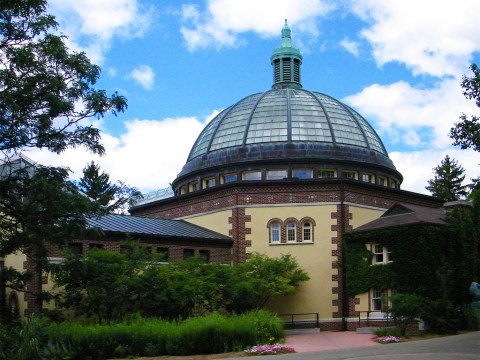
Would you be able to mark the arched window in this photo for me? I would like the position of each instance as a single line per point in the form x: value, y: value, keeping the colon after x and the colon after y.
x: 307, y: 232
x: 291, y: 231
x: 275, y: 232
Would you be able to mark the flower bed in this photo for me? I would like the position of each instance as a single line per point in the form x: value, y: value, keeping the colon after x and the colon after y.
x: 387, y: 339
x: 269, y: 349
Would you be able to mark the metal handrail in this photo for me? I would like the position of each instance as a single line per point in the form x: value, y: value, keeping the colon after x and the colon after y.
x: 386, y: 316
x: 301, y: 314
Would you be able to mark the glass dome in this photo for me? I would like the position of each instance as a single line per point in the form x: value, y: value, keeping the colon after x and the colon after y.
x: 286, y: 125
x: 287, y: 116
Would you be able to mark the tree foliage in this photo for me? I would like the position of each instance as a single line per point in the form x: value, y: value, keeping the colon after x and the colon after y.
x: 436, y: 263
x: 262, y: 278
x: 447, y: 181
x: 406, y: 308
x: 107, y: 285
x: 466, y: 132
x: 46, y: 100
x: 96, y: 184
x: 46, y: 90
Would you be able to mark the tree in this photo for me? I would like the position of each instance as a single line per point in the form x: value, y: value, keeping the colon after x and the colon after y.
x: 466, y: 133
x: 262, y: 278
x: 447, y: 183
x: 39, y: 207
x: 100, y: 284
x: 45, y: 90
x: 406, y: 308
x: 98, y: 187
x: 46, y: 97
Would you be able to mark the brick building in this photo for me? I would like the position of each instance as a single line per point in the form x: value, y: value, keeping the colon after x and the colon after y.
x: 284, y: 171
x: 290, y: 170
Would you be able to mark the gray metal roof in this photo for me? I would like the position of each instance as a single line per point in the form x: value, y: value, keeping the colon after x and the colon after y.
x: 152, y: 227
x: 406, y: 214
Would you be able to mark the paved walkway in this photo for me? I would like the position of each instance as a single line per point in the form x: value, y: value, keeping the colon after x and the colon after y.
x: 328, y: 340
x: 352, y: 346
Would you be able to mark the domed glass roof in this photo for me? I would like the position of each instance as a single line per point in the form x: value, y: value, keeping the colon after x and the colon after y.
x: 287, y: 116
x: 286, y: 123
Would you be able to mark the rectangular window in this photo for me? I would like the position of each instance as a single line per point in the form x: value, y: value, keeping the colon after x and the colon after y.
x: 205, y: 255
x: 275, y: 232
x: 162, y: 254
x: 377, y: 300
x: 252, y: 175
x: 302, y: 173
x: 188, y: 253
x: 381, y: 254
x: 347, y: 174
x: 209, y: 182
x: 183, y: 189
x: 276, y: 174
x: 193, y: 186
x: 307, y: 232
x: 383, y: 181
x: 327, y: 173
x: 368, y: 178
x: 291, y: 232
x: 229, y: 178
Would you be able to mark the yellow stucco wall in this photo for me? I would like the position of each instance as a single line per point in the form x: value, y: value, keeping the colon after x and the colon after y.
x: 16, y: 261
x: 217, y: 221
x: 362, y: 215
x: 315, y: 295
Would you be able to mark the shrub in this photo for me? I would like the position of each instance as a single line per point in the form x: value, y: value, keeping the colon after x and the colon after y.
x: 152, y: 337
x: 388, y: 331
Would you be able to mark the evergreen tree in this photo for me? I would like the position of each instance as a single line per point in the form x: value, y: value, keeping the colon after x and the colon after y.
x: 447, y: 183
x: 96, y: 184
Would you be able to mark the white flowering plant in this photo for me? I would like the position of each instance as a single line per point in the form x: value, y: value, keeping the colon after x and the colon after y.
x: 269, y: 349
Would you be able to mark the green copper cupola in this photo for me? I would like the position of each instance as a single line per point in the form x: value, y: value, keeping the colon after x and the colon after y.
x: 286, y: 61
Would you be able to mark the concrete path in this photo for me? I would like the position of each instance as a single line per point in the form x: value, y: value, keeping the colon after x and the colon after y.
x: 328, y: 340
x: 350, y: 345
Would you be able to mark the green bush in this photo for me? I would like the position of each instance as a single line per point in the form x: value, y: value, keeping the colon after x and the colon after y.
x: 151, y: 337
x: 388, y: 331
x: 472, y: 317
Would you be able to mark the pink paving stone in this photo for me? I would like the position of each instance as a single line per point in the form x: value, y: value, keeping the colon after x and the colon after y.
x: 329, y: 340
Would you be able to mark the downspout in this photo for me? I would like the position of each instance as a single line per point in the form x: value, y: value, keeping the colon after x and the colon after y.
x: 343, y: 290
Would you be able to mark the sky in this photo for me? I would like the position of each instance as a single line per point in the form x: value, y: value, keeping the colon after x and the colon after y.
x: 179, y: 63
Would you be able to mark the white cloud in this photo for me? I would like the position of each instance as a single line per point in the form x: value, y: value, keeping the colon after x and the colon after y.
x: 430, y: 36
x: 92, y: 24
x: 351, y: 46
x: 149, y: 155
x: 404, y: 109
x: 222, y: 21
x: 417, y: 167
x: 144, y: 76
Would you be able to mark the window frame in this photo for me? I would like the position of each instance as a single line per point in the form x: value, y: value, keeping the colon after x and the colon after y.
x: 291, y: 230
x: 310, y: 231
x: 304, y: 170
x: 275, y: 231
x: 383, y: 251
x: 327, y: 173
x: 277, y: 174
x: 257, y: 173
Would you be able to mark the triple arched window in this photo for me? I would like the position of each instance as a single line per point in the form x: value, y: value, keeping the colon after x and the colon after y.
x: 291, y: 231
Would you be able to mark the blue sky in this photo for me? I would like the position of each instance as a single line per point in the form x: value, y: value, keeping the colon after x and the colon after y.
x: 399, y: 63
